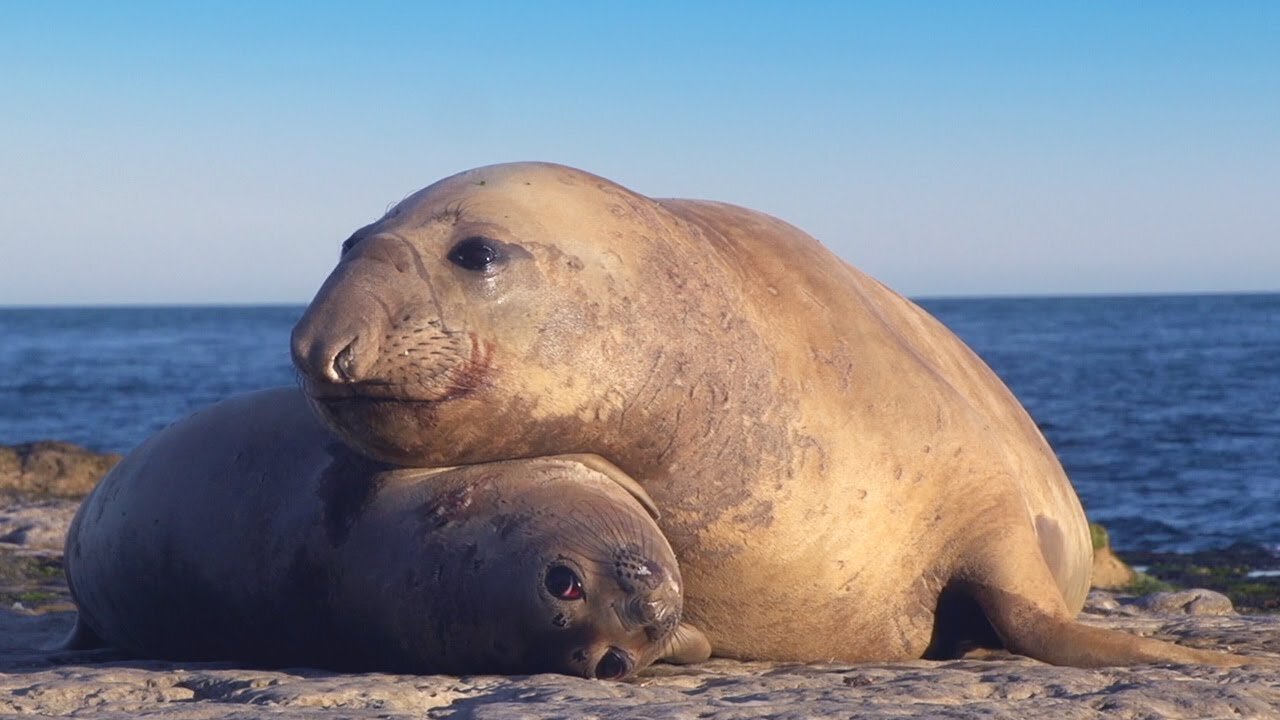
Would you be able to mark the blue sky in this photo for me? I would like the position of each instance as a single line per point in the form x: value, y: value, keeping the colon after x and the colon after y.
x: 221, y: 152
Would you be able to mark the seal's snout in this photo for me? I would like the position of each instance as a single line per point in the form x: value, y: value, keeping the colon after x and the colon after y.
x: 343, y: 368
x: 659, y: 609
x: 330, y: 359
x: 637, y: 573
x: 336, y: 340
x: 654, y: 597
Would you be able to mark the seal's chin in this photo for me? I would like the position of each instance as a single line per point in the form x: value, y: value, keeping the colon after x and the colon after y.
x: 382, y: 425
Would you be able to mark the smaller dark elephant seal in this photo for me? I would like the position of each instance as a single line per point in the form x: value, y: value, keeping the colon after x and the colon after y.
x: 246, y: 532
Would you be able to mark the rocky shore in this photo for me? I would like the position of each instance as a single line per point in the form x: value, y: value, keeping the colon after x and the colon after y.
x: 40, y: 484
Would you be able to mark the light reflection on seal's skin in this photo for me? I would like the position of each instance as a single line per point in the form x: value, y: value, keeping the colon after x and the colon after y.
x: 245, y: 532
x: 840, y: 476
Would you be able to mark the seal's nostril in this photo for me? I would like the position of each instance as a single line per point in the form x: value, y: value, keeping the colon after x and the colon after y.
x: 344, y: 363
x: 656, y: 609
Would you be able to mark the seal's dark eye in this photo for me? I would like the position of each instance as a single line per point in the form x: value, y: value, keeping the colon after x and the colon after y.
x: 475, y: 253
x: 563, y: 583
x: 614, y: 665
x: 350, y: 243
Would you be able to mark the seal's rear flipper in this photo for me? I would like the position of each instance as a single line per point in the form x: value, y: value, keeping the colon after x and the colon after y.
x: 687, y: 646
x: 1015, y: 590
x: 1028, y: 628
x: 82, y: 638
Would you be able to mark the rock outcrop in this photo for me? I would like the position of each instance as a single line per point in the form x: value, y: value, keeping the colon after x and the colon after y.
x: 51, y: 469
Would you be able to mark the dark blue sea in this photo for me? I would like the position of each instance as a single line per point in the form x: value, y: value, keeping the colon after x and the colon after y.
x: 1164, y: 410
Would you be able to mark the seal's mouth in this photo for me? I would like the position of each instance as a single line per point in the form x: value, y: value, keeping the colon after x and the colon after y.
x: 337, y: 392
x: 423, y: 375
x: 375, y: 391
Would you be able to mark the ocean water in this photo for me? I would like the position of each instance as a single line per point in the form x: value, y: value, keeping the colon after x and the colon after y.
x: 107, y: 378
x: 1164, y: 410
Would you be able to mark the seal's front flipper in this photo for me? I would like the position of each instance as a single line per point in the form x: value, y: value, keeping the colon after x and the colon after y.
x: 687, y: 646
x: 82, y: 638
x: 1015, y: 590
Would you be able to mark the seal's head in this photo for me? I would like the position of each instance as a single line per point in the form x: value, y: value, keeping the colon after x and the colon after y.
x: 511, y: 297
x: 540, y: 565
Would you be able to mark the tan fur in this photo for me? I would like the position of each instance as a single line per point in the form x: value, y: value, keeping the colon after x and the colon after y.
x: 829, y: 460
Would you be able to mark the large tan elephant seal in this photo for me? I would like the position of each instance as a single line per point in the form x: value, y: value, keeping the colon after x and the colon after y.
x: 245, y: 532
x: 840, y: 476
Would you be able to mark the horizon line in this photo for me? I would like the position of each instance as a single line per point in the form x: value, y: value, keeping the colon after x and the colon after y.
x: 1099, y: 295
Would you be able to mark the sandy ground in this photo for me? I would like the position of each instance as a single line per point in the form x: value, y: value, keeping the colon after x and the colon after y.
x: 36, y: 679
